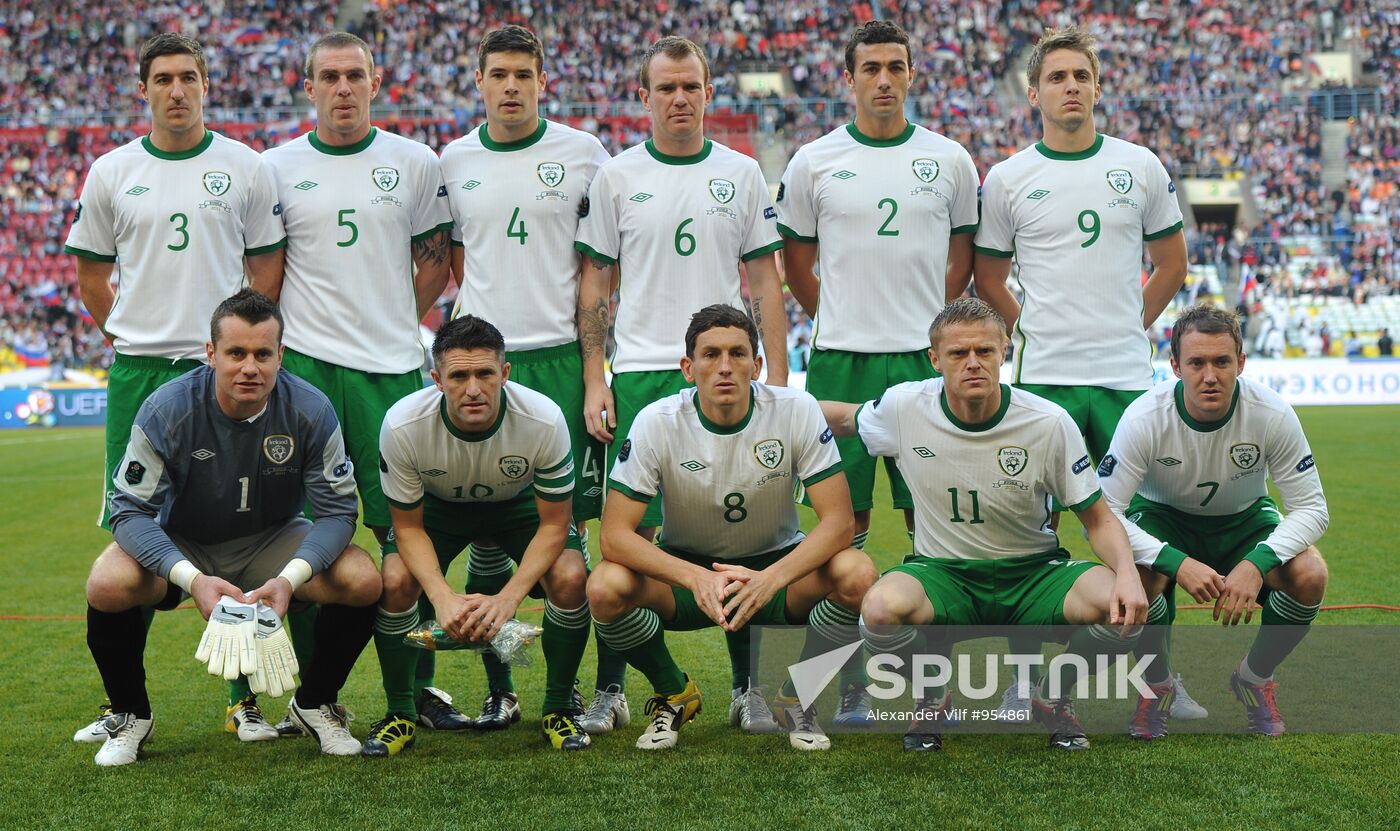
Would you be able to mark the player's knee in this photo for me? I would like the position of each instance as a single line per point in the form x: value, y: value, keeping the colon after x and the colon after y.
x: 357, y: 580
x: 608, y: 588
x: 1307, y: 577
x: 885, y: 605
x: 401, y: 590
x: 854, y: 575
x: 566, y: 582
x: 113, y: 580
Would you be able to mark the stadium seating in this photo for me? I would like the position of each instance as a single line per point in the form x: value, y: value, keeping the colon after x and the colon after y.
x: 1212, y: 91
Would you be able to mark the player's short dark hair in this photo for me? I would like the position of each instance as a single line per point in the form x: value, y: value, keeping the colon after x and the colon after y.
x: 249, y: 306
x: 510, y: 38
x: 467, y: 332
x: 719, y: 316
x: 170, y: 43
x: 337, y: 40
x: 964, y: 310
x: 1068, y: 37
x: 676, y: 48
x: 1208, y: 320
x: 876, y: 31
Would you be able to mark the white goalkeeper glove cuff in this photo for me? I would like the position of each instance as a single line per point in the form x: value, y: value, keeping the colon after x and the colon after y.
x: 183, y: 574
x: 296, y: 572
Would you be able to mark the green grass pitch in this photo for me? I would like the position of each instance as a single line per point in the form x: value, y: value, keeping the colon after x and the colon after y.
x: 195, y: 774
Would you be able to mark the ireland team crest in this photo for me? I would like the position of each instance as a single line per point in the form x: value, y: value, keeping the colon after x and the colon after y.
x: 217, y: 182
x: 1120, y: 180
x: 1245, y: 456
x: 926, y: 170
x: 551, y: 173
x: 385, y: 178
x: 1012, y: 460
x: 722, y: 190
x: 769, y: 453
x: 513, y: 466
x: 278, y: 449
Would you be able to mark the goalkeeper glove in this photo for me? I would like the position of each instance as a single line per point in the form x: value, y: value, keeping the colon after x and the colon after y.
x: 277, y: 661
x: 229, y: 644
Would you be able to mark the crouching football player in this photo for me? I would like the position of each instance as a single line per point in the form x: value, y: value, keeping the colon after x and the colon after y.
x: 984, y: 461
x: 1189, y: 465
x: 208, y: 502
x: 724, y: 458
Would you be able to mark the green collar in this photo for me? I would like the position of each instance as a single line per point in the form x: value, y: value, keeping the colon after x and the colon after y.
x: 1201, y: 426
x: 473, y: 437
x: 718, y: 429
x: 183, y: 154
x: 874, y: 142
x: 345, y: 149
x: 983, y: 426
x: 489, y: 143
x: 694, y: 158
x: 1071, y: 157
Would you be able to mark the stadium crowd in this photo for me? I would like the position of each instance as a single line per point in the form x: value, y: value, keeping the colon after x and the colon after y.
x: 1210, y: 88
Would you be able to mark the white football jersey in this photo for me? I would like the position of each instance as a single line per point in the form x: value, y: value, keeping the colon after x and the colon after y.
x: 352, y: 215
x: 981, y: 491
x: 678, y: 226
x: 1215, y: 469
x: 727, y: 492
x: 525, y: 454
x: 1076, y: 224
x: 881, y: 213
x: 516, y: 207
x: 178, y: 226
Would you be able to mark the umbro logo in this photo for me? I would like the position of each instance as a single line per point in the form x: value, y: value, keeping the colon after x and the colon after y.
x: 1038, y: 194
x: 304, y: 184
x: 693, y: 466
x: 137, y: 191
x: 923, y: 453
x: 471, y: 184
x: 593, y: 491
x: 203, y: 455
x: 843, y: 175
x: 640, y: 197
x: 433, y: 472
x: 1168, y: 461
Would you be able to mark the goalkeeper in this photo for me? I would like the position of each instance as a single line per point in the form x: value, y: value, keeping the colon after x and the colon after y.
x: 208, y: 503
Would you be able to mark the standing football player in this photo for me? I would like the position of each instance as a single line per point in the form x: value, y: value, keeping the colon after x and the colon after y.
x: 368, y: 229
x: 185, y: 217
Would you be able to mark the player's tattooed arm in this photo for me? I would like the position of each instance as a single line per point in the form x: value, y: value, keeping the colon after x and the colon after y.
x: 430, y: 256
x: 593, y: 319
x: 766, y: 300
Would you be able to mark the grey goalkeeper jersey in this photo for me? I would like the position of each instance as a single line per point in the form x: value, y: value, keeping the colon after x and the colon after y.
x: 191, y: 470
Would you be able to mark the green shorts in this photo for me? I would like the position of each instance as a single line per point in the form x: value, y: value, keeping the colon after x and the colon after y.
x: 1095, y: 410
x: 631, y: 392
x: 688, y: 613
x: 1019, y: 591
x: 360, y: 400
x: 509, y: 525
x: 557, y: 371
x: 1220, y: 542
x: 856, y: 378
x: 132, y: 380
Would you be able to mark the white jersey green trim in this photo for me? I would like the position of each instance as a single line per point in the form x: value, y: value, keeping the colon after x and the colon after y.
x: 178, y: 227
x: 895, y: 202
x: 727, y: 492
x: 352, y: 215
x: 1076, y: 224
x: 526, y: 452
x: 1216, y: 469
x: 516, y: 207
x: 678, y: 228
x: 981, y: 491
